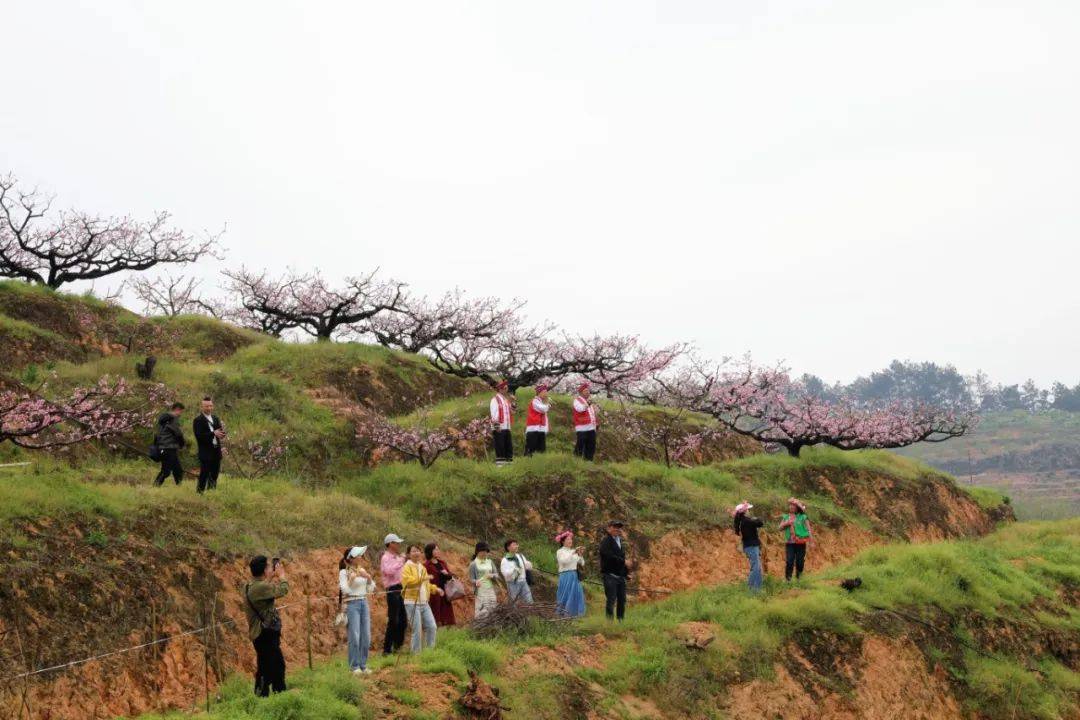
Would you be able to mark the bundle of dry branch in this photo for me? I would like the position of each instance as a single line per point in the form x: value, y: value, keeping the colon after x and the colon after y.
x: 515, y: 617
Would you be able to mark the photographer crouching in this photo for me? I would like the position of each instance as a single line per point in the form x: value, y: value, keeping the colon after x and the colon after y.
x: 264, y: 623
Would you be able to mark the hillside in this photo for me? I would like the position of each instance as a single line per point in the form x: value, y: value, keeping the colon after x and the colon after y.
x: 1034, y: 458
x: 962, y: 613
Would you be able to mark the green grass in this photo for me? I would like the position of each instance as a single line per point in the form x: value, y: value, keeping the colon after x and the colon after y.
x: 780, y: 465
x: 534, y: 497
x: 328, y: 692
x: 241, y: 517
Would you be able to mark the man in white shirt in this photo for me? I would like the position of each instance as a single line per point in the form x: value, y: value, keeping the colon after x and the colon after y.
x: 517, y: 571
x: 502, y: 415
x: 584, y: 423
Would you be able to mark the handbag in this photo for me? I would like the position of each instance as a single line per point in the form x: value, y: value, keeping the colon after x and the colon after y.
x: 154, y: 453
x: 273, y: 622
x: 529, y: 579
x: 454, y: 589
x: 341, y: 619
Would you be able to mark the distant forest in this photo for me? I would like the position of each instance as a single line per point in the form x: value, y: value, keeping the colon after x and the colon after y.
x: 945, y: 386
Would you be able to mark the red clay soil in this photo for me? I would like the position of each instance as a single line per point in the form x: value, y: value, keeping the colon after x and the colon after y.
x: 889, y: 680
x: 177, y: 673
x: 682, y: 559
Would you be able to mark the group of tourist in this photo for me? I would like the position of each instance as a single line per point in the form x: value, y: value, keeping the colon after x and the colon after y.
x: 537, y: 423
x: 797, y: 536
x: 420, y: 589
x: 169, y: 440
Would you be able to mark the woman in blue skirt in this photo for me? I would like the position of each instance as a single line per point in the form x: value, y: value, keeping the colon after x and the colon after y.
x: 570, y: 599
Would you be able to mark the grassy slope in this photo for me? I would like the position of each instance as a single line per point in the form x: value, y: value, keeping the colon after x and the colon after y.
x: 265, y: 388
x: 462, y: 496
x: 986, y: 611
x: 613, y: 444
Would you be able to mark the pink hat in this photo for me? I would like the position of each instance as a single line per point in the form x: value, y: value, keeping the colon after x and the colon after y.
x: 584, y: 386
x: 541, y: 387
x: 741, y: 508
x: 563, y: 535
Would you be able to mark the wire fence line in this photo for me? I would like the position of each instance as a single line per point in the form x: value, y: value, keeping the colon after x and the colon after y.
x: 232, y: 622
x: 157, y: 641
x: 221, y: 624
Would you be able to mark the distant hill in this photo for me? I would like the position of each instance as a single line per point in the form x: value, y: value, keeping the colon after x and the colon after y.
x: 1034, y: 458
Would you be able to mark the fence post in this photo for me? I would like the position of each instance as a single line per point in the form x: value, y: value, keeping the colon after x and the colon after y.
x: 206, y: 660
x: 310, y: 662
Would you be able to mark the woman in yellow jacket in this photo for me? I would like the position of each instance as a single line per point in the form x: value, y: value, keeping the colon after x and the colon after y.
x: 416, y: 590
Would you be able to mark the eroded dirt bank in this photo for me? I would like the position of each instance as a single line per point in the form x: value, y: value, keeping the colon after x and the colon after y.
x: 882, y: 679
x: 192, y: 593
x: 59, y: 601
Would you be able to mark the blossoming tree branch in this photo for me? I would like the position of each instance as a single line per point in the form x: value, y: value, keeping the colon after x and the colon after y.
x: 30, y: 420
x: 766, y: 404
x: 53, y: 249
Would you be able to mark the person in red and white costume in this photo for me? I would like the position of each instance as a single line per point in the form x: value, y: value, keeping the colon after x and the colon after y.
x: 536, y: 422
x: 502, y: 416
x: 584, y: 423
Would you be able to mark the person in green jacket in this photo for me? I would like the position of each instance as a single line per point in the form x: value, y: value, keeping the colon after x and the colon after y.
x: 797, y: 536
x: 264, y: 623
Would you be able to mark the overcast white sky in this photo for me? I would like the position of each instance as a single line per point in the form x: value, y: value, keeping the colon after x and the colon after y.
x: 833, y: 184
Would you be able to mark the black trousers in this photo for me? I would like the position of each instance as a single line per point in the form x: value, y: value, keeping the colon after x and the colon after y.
x: 535, y: 442
x: 504, y: 444
x: 209, y: 469
x: 170, y: 464
x: 614, y: 595
x: 395, y: 620
x: 586, y: 444
x: 269, y: 663
x: 794, y: 558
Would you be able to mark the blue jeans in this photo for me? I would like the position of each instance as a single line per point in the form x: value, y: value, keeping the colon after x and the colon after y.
x: 359, y: 631
x: 753, y: 554
x: 420, y: 616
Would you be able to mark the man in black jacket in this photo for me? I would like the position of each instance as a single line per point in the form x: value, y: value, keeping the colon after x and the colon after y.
x: 209, y: 433
x: 613, y: 570
x: 169, y: 438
